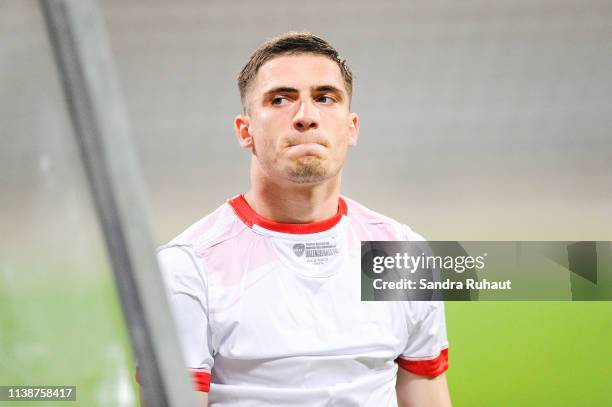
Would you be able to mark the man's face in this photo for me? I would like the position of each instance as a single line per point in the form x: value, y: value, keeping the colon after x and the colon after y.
x: 298, y: 122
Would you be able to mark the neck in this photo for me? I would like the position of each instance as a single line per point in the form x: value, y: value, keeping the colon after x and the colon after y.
x: 289, y: 202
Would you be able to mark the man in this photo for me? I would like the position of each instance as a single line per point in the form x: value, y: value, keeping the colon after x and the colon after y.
x: 266, y: 289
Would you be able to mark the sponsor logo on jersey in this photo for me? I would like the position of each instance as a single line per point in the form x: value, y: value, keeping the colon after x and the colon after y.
x: 315, y: 253
x: 321, y: 250
x: 299, y: 249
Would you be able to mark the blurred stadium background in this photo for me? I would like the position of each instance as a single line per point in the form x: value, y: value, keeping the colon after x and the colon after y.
x: 479, y: 121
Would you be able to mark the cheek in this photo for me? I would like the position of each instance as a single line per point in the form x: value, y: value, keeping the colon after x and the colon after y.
x: 259, y: 131
x: 265, y: 144
x: 267, y: 126
x: 340, y: 133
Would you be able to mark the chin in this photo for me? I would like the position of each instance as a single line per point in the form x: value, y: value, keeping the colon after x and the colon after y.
x: 308, y: 170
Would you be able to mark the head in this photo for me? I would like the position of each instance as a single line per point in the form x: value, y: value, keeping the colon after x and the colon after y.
x: 296, y: 95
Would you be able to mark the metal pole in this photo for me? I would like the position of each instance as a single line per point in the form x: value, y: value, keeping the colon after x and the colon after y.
x: 99, y: 118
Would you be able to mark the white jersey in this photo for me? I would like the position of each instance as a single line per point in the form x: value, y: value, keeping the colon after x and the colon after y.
x: 270, y: 314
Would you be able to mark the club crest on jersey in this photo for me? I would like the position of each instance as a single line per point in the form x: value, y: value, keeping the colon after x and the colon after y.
x: 298, y: 249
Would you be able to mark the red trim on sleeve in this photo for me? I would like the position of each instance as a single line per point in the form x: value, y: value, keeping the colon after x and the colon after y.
x: 429, y: 368
x: 201, y: 380
x: 248, y: 215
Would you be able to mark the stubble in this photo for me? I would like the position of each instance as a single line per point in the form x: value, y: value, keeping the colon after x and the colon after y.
x: 307, y: 170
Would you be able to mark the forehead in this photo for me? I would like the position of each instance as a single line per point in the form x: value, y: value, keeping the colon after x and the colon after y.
x: 301, y: 71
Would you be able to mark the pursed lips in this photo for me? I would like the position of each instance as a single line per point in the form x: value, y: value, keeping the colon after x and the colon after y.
x: 306, y: 142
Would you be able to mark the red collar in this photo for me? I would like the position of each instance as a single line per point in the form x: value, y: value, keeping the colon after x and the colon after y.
x: 246, y: 214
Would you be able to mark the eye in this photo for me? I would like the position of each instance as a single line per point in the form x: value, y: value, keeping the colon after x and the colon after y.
x: 325, y: 99
x: 278, y: 100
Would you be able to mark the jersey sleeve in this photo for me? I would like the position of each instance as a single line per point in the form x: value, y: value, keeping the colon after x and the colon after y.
x: 426, y: 351
x: 187, y: 292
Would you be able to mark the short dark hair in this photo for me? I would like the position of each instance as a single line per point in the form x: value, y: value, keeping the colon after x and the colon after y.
x: 291, y: 43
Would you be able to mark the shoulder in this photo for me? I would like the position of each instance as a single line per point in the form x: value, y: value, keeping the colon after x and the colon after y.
x: 220, y: 225
x: 378, y: 226
x: 182, y: 260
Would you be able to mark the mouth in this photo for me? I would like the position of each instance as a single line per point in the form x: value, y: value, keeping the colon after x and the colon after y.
x: 307, y: 142
x: 306, y: 147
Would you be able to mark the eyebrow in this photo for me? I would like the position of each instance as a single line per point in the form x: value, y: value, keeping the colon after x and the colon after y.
x: 328, y: 88
x: 280, y: 89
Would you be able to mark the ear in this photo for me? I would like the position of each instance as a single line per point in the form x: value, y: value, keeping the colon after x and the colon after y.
x: 241, y: 128
x: 353, y: 131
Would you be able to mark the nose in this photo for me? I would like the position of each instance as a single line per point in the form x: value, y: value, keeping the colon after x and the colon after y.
x: 306, y: 117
